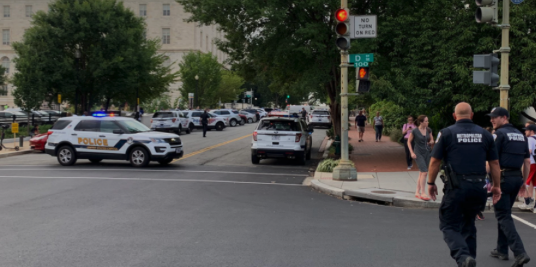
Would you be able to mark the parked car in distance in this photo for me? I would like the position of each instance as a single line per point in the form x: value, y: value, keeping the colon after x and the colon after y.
x: 170, y: 121
x: 6, y: 117
x: 251, y: 118
x: 38, y: 142
x: 234, y: 119
x: 319, y: 118
x: 215, y: 122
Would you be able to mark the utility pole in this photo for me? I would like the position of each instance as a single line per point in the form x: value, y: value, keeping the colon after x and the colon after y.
x: 505, y: 55
x: 344, y: 171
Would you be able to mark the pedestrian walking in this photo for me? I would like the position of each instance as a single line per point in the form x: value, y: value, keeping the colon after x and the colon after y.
x: 423, y: 140
x: 513, y: 151
x: 360, y: 125
x: 464, y: 147
x: 204, y: 122
x: 378, y: 125
x: 528, y: 197
x: 406, y: 132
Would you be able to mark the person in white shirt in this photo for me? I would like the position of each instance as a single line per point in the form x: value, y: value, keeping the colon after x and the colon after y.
x: 529, y: 204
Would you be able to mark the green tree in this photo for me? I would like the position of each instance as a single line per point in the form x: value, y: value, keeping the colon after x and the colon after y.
x: 3, y: 80
x: 230, y: 87
x: 115, y: 59
x: 290, y: 43
x: 208, y: 70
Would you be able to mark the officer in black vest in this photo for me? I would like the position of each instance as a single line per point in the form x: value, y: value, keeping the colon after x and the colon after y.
x: 464, y: 147
x: 513, y: 153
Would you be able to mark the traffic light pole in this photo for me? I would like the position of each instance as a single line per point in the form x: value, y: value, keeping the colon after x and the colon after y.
x: 505, y: 55
x: 344, y: 171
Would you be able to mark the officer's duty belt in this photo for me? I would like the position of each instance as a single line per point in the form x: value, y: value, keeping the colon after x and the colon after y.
x: 471, y: 177
x: 511, y: 172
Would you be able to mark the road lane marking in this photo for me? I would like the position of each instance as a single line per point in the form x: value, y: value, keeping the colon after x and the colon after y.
x: 211, y: 147
x: 525, y: 222
x: 175, y: 171
x: 150, y: 179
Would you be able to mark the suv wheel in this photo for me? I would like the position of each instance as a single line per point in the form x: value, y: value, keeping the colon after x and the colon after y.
x: 219, y: 126
x: 255, y: 159
x: 233, y: 123
x: 66, y: 156
x: 250, y: 120
x: 139, y: 157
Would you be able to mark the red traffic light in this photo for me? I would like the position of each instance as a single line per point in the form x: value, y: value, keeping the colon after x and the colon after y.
x: 341, y: 15
x: 362, y: 73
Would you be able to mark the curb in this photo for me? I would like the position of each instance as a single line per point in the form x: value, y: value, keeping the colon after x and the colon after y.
x: 330, y: 190
x: 16, y: 153
x: 390, y: 200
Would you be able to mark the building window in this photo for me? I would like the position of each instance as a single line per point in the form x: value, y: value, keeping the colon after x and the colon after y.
x: 167, y: 11
x: 29, y: 11
x: 3, y: 90
x: 5, y: 37
x: 165, y: 36
x: 143, y: 10
x: 7, y: 12
x: 5, y: 64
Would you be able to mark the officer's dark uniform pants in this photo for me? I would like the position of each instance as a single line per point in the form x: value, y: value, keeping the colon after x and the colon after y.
x: 205, y: 127
x: 508, y: 236
x: 457, y: 218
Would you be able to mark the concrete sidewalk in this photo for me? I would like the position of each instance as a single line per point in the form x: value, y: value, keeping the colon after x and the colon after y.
x: 25, y: 149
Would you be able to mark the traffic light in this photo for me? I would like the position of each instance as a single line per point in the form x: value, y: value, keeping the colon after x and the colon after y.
x: 288, y: 96
x: 363, y: 76
x: 343, y: 28
x: 491, y: 75
x: 487, y: 11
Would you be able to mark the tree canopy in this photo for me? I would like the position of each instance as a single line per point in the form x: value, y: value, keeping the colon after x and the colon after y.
x: 114, y: 58
x: 423, y: 58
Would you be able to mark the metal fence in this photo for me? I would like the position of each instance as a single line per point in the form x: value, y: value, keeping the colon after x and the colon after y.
x: 34, y: 119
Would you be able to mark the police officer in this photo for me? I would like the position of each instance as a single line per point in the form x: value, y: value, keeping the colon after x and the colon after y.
x: 464, y: 147
x: 204, y: 122
x: 513, y: 153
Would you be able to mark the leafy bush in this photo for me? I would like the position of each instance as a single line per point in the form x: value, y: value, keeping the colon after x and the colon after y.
x: 396, y: 134
x: 328, y: 165
x: 393, y: 115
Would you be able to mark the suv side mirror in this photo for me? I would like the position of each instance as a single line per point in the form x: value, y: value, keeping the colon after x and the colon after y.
x: 118, y: 132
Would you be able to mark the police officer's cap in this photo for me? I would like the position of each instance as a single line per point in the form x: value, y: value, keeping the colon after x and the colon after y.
x: 499, y: 112
x: 531, y: 127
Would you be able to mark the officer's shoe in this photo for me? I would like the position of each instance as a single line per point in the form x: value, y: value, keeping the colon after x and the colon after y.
x: 496, y: 254
x: 521, y: 260
x: 469, y: 262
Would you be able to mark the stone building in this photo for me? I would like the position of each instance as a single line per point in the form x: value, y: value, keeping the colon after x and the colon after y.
x: 165, y: 20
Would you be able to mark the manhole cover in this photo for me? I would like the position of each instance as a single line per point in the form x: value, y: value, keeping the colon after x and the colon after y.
x: 383, y: 192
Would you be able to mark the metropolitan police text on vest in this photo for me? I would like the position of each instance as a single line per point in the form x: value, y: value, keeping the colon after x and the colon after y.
x: 469, y: 138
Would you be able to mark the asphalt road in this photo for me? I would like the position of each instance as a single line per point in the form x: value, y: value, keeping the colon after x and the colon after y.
x: 212, y: 208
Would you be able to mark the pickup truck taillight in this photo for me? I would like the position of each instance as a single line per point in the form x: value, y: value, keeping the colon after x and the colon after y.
x: 255, y: 136
x: 174, y: 120
x: 298, y: 136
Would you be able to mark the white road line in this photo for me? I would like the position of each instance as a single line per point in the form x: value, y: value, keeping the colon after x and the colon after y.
x: 176, y: 171
x: 149, y: 179
x: 525, y: 222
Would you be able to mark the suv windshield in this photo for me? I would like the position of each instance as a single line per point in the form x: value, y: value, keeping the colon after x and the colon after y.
x: 163, y: 115
x: 279, y: 125
x: 133, y: 126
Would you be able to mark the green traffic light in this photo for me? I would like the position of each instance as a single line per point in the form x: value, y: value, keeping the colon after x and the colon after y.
x: 288, y: 96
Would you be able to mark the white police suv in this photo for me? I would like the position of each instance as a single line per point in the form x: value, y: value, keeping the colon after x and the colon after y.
x: 107, y: 137
x: 281, y: 136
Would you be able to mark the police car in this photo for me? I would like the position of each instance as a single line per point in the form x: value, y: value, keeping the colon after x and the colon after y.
x: 101, y: 137
x: 281, y: 136
x: 170, y: 121
x: 319, y: 118
x: 214, y: 122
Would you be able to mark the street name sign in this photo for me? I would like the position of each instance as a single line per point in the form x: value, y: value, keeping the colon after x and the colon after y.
x: 517, y: 2
x: 364, y: 27
x: 361, y: 60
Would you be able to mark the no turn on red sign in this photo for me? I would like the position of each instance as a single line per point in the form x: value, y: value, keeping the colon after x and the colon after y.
x: 364, y: 27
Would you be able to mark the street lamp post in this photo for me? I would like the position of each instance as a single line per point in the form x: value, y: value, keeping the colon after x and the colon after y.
x: 77, y: 62
x: 196, y: 87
